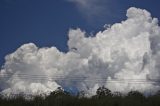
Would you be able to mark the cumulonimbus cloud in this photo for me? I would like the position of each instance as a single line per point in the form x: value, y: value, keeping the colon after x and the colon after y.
x: 124, y: 57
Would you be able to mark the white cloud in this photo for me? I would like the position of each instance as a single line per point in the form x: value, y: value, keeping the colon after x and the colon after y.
x: 120, y: 57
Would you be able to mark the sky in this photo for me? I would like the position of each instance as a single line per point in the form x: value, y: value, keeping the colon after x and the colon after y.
x: 46, y: 23
x: 84, y: 40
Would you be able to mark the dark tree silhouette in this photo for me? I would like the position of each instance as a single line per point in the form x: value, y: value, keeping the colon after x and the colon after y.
x: 104, y: 97
x: 102, y: 92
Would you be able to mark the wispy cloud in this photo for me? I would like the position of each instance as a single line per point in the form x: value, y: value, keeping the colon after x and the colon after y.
x: 91, y: 8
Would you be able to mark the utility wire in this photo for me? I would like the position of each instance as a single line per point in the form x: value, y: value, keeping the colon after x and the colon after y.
x: 78, y: 79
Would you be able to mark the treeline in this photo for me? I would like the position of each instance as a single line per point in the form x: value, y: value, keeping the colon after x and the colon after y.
x: 103, y: 97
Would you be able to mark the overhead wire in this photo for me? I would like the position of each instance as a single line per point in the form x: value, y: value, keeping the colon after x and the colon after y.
x: 77, y: 79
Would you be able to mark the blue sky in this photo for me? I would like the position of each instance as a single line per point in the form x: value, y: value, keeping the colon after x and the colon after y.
x: 46, y: 22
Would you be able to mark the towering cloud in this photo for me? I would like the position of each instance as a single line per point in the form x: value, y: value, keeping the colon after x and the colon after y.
x: 124, y: 57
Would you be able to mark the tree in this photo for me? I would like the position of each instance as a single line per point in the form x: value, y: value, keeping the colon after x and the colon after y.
x: 102, y: 92
x: 135, y: 94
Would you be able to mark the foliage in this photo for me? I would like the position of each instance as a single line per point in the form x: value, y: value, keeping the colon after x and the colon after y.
x: 104, y: 97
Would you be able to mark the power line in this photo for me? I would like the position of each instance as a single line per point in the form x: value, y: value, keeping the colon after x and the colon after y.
x: 78, y: 79
x: 70, y: 77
